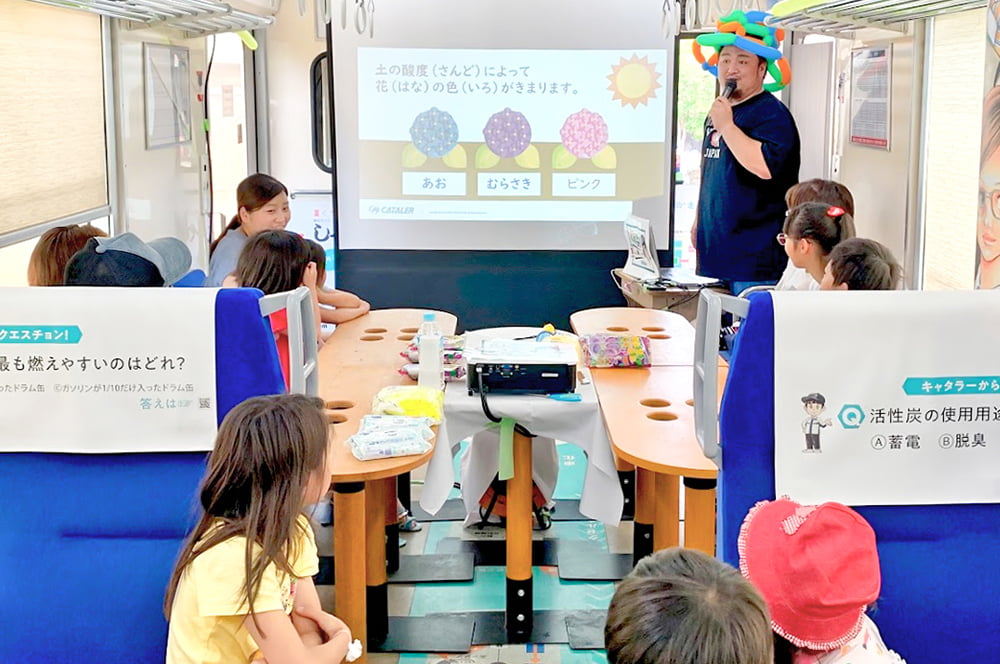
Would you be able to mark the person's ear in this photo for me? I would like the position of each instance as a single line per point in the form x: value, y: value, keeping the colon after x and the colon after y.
x: 244, y: 215
x: 841, y: 286
x: 804, y: 245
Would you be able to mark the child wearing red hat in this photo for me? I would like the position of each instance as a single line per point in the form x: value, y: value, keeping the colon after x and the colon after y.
x: 817, y: 568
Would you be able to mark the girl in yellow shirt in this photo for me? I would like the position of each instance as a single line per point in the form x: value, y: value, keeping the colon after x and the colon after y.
x: 242, y: 587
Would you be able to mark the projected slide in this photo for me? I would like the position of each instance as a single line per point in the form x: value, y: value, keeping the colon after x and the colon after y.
x: 510, y: 135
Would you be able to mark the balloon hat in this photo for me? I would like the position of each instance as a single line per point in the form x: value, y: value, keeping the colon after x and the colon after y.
x: 746, y: 30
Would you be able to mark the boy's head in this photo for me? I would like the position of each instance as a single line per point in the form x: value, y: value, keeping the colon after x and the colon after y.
x: 861, y: 264
x: 681, y: 606
x: 816, y: 566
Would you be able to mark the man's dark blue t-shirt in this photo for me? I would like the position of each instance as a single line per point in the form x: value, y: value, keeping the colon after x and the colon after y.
x: 739, y: 214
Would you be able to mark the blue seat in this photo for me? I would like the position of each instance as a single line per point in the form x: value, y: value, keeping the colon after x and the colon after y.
x: 193, y: 279
x: 940, y: 563
x: 87, y: 542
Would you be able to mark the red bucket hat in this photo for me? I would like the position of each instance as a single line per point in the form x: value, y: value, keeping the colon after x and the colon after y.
x: 816, y: 566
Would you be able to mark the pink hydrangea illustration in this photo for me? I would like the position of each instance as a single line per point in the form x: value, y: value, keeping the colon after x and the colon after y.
x: 507, y: 133
x: 584, y: 134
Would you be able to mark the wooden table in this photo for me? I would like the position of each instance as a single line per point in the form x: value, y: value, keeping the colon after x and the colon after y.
x: 378, y: 337
x: 671, y: 336
x: 580, y: 422
x: 353, y: 366
x: 649, y: 416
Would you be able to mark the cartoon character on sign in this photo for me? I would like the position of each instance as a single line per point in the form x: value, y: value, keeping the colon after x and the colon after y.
x: 814, y: 404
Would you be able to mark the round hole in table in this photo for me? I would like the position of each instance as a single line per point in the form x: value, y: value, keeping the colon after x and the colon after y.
x: 655, y: 403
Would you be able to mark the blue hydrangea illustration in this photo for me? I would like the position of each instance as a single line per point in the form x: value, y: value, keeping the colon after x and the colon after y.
x: 434, y: 132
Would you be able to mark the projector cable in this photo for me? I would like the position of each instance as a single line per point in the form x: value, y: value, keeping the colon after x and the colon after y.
x: 486, y: 408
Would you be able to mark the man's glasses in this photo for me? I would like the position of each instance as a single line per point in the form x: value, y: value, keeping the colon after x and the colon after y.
x: 994, y: 202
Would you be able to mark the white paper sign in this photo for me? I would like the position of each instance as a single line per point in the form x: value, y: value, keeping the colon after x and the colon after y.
x: 642, y: 261
x: 106, y: 370
x: 887, y: 398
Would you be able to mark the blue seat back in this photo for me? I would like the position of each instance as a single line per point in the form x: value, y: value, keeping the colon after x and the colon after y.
x: 193, y: 279
x: 87, y: 542
x: 940, y: 563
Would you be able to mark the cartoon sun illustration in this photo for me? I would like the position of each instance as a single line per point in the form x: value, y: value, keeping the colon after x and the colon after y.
x: 634, y: 81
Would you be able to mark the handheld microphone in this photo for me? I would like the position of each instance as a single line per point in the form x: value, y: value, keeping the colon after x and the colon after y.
x: 730, y: 88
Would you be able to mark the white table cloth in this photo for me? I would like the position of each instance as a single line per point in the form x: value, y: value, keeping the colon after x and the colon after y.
x: 579, y: 423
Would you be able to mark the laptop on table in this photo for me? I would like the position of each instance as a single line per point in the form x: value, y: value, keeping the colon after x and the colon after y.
x: 643, y: 263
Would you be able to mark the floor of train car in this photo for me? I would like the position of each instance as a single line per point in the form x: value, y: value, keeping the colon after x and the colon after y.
x: 486, y: 591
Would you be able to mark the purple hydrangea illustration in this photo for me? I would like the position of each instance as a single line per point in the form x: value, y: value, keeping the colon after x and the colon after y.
x: 434, y: 132
x: 584, y: 134
x: 507, y: 133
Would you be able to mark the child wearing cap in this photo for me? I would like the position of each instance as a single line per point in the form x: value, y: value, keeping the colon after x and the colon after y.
x: 125, y: 260
x: 817, y: 568
x: 681, y: 606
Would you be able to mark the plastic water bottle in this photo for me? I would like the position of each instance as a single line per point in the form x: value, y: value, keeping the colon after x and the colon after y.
x: 430, y: 373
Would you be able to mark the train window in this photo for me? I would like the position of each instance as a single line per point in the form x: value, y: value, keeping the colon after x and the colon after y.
x: 954, y: 116
x: 227, y: 108
x: 52, y: 117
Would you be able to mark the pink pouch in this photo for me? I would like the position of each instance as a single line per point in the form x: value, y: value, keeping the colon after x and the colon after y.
x: 615, y: 350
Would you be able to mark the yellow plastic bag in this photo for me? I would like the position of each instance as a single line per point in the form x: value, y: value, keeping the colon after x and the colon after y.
x: 411, y: 400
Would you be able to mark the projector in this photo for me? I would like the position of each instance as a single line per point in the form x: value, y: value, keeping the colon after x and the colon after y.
x: 502, y: 366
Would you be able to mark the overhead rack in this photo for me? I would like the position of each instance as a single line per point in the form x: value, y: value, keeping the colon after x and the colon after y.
x: 195, y: 18
x: 841, y: 18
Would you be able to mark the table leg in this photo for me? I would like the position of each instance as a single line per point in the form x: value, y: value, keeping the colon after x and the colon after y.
x: 349, y: 552
x: 645, y: 511
x: 626, y: 477
x: 377, y: 589
x: 699, y: 514
x: 623, y: 465
x: 391, y: 528
x: 666, y: 521
x: 519, y: 587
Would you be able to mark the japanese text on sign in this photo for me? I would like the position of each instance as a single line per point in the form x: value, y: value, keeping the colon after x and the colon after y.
x: 465, y: 79
x: 510, y: 184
